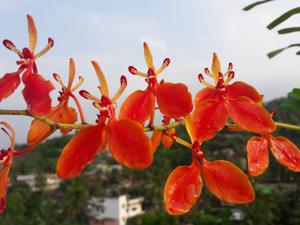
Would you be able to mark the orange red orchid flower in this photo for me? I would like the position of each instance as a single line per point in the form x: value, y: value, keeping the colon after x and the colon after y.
x: 37, y: 89
x: 238, y: 101
x: 6, y: 159
x: 173, y: 100
x: 223, y: 179
x: 62, y: 113
x: 128, y: 143
x: 284, y: 151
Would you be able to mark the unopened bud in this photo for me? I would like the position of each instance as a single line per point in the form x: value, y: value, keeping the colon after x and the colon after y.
x: 8, y: 44
x: 231, y: 75
x: 123, y: 80
x: 56, y: 77
x: 206, y: 71
x: 50, y: 42
x: 200, y: 77
x: 84, y: 93
x: 166, y: 62
x: 132, y: 70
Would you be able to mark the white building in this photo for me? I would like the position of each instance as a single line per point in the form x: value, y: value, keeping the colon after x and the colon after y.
x: 114, y: 211
x: 52, y: 182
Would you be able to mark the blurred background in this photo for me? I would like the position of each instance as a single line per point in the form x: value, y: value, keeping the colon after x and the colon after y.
x: 112, y: 33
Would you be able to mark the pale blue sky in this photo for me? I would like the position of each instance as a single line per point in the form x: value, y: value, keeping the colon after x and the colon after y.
x: 112, y: 33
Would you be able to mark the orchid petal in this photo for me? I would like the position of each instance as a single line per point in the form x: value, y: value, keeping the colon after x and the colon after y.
x: 155, y: 140
x: 182, y: 189
x: 36, y: 94
x: 208, y: 118
x: 138, y: 106
x: 250, y: 115
x: 204, y: 94
x: 80, y: 151
x: 227, y: 182
x: 215, y: 67
x: 32, y: 33
x: 258, y: 156
x: 60, y: 114
x: 240, y: 88
x: 174, y: 100
x: 8, y: 84
x: 167, y: 139
x: 285, y: 152
x: 148, y: 56
x: 129, y: 144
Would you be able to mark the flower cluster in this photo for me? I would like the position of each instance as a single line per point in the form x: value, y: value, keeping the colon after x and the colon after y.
x: 238, y: 106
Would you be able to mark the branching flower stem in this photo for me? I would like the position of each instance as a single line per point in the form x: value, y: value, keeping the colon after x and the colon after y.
x: 77, y: 126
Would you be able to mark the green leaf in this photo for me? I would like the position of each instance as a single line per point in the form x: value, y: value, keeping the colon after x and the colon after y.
x: 293, y: 101
x: 277, y: 51
x: 256, y: 4
x: 289, y: 30
x: 283, y: 17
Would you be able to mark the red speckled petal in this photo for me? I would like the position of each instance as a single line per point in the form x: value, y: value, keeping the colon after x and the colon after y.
x: 138, y: 106
x: 205, y: 94
x: 208, y: 118
x: 227, y: 182
x: 258, y: 155
x: 250, y: 115
x: 129, y: 144
x: 239, y: 88
x: 182, y: 189
x: 80, y: 151
x: 285, y: 152
x: 36, y: 94
x: 174, y: 100
x: 8, y: 84
x: 61, y: 114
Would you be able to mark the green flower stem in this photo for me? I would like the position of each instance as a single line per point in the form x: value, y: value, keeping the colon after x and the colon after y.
x: 78, y: 126
x: 287, y: 126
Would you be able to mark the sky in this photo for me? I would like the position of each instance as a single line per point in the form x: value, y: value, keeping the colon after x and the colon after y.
x: 188, y: 32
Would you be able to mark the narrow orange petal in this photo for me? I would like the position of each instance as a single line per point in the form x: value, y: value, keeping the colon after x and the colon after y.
x: 208, y: 118
x: 61, y: 114
x: 80, y: 151
x: 32, y: 33
x: 227, y: 182
x: 167, y: 139
x: 216, y: 66
x: 155, y: 140
x: 37, y: 94
x: 138, y: 106
x: 8, y: 84
x: 148, y: 56
x: 37, y: 131
x: 285, y: 152
x: 204, y: 94
x: 129, y: 144
x: 101, y: 77
x: 72, y: 71
x: 174, y: 100
x: 65, y: 114
x: 240, y: 88
x: 258, y: 155
x: 182, y: 189
x: 250, y: 116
